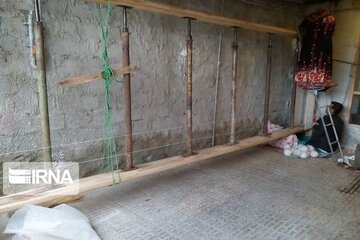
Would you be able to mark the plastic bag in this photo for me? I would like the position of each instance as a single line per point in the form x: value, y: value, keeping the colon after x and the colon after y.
x: 61, y: 223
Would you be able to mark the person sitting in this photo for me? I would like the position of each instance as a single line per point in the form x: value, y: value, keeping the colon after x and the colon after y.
x: 318, y: 139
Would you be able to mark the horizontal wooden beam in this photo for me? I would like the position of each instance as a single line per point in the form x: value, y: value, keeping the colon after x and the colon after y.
x: 95, y: 76
x: 150, y: 6
x: 11, y: 203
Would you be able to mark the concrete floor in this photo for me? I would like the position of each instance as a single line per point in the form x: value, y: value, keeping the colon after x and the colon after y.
x: 255, y: 194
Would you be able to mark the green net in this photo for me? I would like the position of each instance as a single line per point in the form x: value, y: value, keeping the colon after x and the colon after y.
x: 110, y: 162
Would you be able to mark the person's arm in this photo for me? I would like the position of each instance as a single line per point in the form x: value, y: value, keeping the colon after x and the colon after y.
x: 318, y: 129
x: 339, y: 126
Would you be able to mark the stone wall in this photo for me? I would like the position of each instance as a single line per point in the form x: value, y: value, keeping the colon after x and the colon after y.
x: 157, y: 42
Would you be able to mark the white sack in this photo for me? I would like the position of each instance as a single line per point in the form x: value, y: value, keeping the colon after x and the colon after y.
x: 61, y: 223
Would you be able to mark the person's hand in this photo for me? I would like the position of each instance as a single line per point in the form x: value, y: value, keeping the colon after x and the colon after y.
x: 315, y: 119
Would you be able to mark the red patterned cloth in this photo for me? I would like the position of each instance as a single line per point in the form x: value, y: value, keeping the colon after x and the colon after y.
x: 314, y: 66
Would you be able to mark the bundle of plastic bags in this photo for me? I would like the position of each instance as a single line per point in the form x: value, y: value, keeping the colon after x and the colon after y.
x: 302, y: 151
x: 291, y: 140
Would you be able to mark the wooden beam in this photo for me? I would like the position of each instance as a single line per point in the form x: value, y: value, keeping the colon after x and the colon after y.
x: 350, y: 91
x: 13, y: 202
x: 150, y: 6
x: 95, y: 76
x: 24, y: 196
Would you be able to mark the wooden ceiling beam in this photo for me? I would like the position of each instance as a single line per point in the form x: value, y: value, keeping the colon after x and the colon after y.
x: 166, y: 9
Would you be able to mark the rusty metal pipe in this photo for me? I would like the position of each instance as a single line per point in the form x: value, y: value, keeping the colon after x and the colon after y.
x: 42, y: 87
x: 233, y: 87
x: 189, y: 41
x: 293, y: 89
x: 267, y: 86
x: 127, y: 94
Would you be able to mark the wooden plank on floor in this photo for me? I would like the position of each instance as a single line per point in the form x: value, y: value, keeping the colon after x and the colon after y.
x: 166, y: 9
x: 11, y: 203
x: 95, y: 76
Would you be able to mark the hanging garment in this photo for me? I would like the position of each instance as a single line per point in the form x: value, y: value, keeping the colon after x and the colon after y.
x: 314, y: 67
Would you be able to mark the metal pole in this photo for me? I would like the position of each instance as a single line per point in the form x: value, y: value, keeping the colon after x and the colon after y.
x: 37, y: 10
x: 189, y: 41
x: 293, y: 90
x: 127, y: 93
x: 267, y: 87
x: 217, y: 82
x: 216, y: 88
x: 233, y: 87
x: 42, y: 87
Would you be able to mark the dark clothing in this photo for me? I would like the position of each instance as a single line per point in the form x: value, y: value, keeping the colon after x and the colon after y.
x: 318, y: 138
x: 314, y: 66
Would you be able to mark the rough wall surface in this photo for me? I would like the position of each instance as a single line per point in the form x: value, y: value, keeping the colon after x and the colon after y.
x: 157, y: 46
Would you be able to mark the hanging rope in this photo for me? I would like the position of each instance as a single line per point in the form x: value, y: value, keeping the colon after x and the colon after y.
x: 109, y: 148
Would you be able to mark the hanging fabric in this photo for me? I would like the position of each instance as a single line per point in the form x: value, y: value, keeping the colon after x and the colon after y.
x: 314, y: 66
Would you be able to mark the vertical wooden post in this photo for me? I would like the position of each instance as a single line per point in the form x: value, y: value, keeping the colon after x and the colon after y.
x: 233, y: 88
x: 189, y: 41
x: 42, y: 86
x: 127, y: 93
x: 267, y: 87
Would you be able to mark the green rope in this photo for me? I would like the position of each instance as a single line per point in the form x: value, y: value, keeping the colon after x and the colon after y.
x: 109, y: 146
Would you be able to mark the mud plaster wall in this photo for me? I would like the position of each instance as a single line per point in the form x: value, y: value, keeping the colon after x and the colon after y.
x: 158, y: 89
